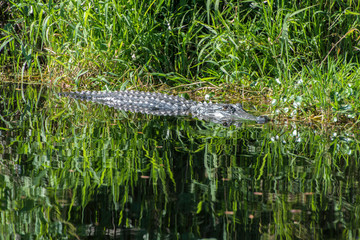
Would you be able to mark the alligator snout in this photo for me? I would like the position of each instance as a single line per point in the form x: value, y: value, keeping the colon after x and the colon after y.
x: 262, y: 119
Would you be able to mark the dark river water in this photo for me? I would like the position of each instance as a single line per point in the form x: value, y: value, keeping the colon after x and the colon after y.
x: 77, y: 170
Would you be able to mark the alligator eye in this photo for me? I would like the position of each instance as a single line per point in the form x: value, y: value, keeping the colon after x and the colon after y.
x: 229, y: 108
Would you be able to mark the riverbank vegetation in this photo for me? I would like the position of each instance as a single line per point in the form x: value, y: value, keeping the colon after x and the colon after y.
x: 297, y: 61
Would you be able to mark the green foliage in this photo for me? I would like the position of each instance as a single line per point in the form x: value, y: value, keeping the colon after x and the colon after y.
x: 302, y: 56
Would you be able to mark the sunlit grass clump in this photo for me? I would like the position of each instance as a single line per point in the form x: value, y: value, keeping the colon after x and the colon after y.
x: 300, y: 59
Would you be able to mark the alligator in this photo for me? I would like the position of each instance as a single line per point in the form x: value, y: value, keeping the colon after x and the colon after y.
x: 168, y: 105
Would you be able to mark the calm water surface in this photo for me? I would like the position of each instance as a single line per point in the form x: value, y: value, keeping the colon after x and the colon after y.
x: 76, y: 170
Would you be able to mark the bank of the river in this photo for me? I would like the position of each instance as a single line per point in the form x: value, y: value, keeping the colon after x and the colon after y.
x: 299, y: 61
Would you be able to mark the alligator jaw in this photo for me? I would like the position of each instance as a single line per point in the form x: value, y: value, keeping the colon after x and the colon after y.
x: 240, y: 114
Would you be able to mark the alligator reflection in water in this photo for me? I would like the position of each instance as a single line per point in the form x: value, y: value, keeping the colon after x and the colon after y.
x: 163, y: 104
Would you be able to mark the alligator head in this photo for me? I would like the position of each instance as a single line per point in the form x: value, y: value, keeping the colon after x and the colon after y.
x: 225, y: 113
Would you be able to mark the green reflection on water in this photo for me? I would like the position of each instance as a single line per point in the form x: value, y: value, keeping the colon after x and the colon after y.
x: 73, y: 169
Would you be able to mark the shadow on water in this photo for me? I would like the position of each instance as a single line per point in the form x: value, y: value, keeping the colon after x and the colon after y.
x: 72, y: 169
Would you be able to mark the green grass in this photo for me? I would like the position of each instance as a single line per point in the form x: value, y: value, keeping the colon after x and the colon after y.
x: 301, y: 59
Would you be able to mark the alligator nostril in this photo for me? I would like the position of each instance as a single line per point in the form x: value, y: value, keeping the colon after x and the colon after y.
x: 225, y: 124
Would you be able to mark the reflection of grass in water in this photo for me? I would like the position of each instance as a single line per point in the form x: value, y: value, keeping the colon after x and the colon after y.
x: 97, y: 167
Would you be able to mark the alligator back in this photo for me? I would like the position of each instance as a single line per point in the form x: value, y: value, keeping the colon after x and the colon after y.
x: 163, y: 104
x: 137, y: 101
